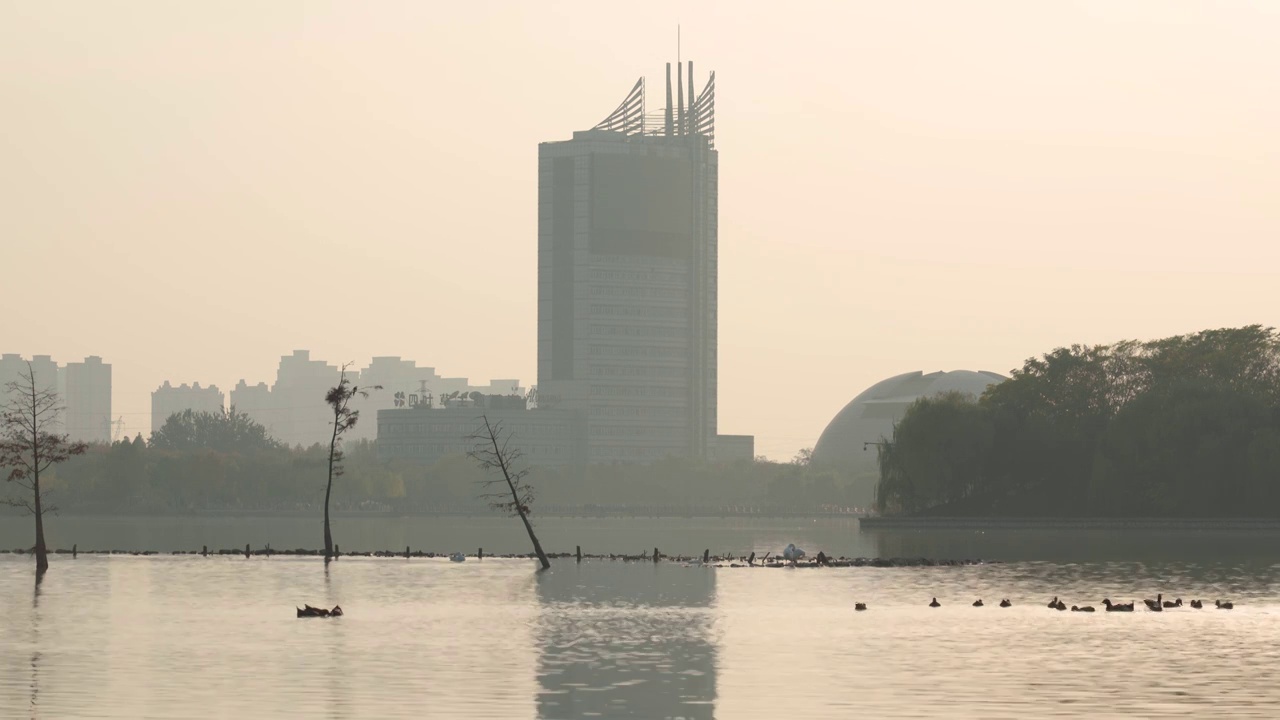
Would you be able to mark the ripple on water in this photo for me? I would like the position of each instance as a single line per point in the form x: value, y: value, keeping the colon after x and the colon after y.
x: 129, y: 637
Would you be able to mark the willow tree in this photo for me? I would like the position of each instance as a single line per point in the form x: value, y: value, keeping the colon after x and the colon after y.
x: 344, y: 418
x: 29, y: 447
x: 505, y: 485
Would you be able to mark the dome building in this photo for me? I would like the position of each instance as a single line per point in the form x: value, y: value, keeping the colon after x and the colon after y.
x: 869, y: 418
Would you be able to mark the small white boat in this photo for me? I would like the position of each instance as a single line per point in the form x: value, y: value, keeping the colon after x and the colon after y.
x: 457, y: 557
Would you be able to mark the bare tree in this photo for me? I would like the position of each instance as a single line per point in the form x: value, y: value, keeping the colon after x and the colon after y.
x: 344, y: 418
x: 510, y: 493
x: 28, y: 448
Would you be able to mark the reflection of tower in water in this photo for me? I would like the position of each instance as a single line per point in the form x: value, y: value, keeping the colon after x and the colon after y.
x: 618, y: 640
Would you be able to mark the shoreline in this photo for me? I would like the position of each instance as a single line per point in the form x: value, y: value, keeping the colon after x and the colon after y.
x: 988, y: 523
x: 707, y: 559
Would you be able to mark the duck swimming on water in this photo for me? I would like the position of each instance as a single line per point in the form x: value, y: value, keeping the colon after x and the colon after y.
x: 1197, y: 604
x: 1086, y: 608
x: 935, y: 603
x: 1005, y: 603
x: 308, y: 611
x: 977, y: 603
x: 1223, y: 605
x: 859, y: 606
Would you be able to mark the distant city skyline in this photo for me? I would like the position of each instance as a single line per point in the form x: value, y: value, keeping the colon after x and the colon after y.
x: 924, y: 186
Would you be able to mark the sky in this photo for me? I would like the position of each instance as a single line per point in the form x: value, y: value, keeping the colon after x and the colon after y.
x: 191, y: 190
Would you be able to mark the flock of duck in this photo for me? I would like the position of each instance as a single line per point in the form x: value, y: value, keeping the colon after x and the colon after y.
x: 1157, y: 605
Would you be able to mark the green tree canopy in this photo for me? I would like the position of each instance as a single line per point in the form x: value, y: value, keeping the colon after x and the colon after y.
x: 1182, y: 425
x: 226, y: 431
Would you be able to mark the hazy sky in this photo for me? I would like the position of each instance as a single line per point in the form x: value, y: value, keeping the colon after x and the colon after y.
x: 192, y: 190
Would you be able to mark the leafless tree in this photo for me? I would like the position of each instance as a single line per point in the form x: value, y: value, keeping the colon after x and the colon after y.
x: 509, y: 493
x: 344, y: 418
x: 28, y: 447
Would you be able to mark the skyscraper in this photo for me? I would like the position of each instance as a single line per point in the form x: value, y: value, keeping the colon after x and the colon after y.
x: 627, y: 276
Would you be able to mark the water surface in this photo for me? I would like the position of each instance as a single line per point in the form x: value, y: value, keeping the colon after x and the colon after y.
x: 174, y: 637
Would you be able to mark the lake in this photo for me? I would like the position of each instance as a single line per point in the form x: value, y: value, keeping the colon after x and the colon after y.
x: 183, y: 636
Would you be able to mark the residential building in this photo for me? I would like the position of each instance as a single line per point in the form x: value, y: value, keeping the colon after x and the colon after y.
x: 47, y: 374
x: 168, y: 400
x: 87, y: 395
x: 425, y: 434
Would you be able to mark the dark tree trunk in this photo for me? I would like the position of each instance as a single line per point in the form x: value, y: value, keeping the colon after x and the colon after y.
x: 42, y: 553
x: 328, y: 489
x: 537, y: 546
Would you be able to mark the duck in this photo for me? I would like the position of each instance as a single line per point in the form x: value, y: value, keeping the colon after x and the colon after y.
x: 1111, y: 607
x: 308, y: 611
x: 1197, y: 604
x: 977, y: 603
x: 1005, y: 603
x: 1053, y: 604
x: 1155, y: 605
x: 1223, y: 605
x: 1173, y: 604
x: 859, y: 606
x: 1086, y: 608
x: 935, y: 603
x: 1061, y: 605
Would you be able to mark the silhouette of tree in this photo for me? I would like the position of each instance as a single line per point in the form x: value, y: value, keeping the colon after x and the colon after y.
x: 224, y: 431
x: 28, y: 448
x: 344, y: 418
x: 492, y: 451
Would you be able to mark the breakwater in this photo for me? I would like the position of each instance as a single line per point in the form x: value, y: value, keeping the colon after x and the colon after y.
x: 706, y: 558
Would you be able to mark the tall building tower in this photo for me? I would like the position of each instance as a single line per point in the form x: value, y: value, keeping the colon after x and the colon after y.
x: 88, y: 399
x: 627, y: 276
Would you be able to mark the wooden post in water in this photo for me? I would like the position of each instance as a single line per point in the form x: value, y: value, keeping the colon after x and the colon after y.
x: 406, y: 552
x: 204, y: 551
x: 480, y: 554
x: 336, y: 551
x: 706, y: 555
x: 246, y: 550
x: 579, y: 553
x: 655, y: 554
x: 752, y: 560
x: 73, y: 552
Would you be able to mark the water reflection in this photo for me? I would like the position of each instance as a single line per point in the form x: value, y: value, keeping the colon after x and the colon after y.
x: 626, y: 641
x: 35, y: 644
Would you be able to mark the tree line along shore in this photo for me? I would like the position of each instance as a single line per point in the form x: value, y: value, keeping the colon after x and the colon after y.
x: 1182, y: 427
